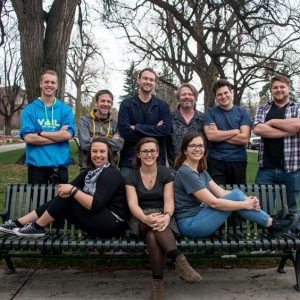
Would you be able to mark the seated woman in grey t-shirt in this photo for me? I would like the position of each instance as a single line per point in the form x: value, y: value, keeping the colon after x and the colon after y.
x: 201, y: 206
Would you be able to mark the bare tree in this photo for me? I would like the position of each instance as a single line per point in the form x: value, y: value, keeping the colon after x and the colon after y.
x: 45, y: 37
x: 213, y: 39
x: 3, y: 14
x: 10, y: 80
x: 251, y: 102
x: 83, y: 71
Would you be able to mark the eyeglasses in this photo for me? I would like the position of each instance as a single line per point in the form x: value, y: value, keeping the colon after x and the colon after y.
x: 195, y: 146
x: 146, y: 152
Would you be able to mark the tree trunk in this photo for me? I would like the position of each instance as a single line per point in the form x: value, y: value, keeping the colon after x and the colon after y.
x: 45, y: 40
x: 207, y: 76
x: 78, y: 109
x: 57, y: 39
x: 7, y: 125
x: 30, y: 22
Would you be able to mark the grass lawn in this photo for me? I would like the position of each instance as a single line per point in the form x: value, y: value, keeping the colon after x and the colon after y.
x: 252, y: 167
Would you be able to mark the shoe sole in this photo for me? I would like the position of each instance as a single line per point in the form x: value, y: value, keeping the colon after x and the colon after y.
x: 29, y: 234
x: 193, y: 281
x: 2, y: 229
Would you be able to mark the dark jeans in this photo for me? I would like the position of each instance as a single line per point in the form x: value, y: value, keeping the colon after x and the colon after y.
x: 279, y: 176
x: 47, y: 175
x: 227, y: 172
x: 101, y: 224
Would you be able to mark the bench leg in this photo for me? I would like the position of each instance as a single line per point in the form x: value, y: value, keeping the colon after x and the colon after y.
x: 281, y: 266
x: 10, y: 265
x: 296, y: 261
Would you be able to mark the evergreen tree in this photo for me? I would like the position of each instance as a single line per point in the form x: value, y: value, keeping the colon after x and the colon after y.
x: 130, y: 84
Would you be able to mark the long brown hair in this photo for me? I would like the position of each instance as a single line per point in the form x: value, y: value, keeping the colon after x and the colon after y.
x: 202, y: 164
x: 136, y: 162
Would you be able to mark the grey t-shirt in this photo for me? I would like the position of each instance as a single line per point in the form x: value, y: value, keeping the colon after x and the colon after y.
x: 186, y: 182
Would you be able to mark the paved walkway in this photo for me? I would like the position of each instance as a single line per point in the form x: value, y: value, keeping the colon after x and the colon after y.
x: 10, y: 147
x: 218, y: 284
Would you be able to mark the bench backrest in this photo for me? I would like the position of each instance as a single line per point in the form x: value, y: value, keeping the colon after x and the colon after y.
x: 22, y: 198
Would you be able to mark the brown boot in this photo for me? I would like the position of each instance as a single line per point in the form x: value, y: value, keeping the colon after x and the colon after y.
x: 157, y: 289
x: 185, y: 271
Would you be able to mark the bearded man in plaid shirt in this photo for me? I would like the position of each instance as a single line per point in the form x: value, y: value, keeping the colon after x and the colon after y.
x: 278, y: 123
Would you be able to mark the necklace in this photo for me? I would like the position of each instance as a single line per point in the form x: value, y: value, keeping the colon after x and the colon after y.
x: 148, y: 179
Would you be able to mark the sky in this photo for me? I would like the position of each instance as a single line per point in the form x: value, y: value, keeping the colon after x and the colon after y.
x: 114, y: 54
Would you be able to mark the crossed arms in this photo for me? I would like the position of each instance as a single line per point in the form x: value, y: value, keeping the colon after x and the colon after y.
x: 233, y: 136
x: 278, y: 128
x: 48, y: 137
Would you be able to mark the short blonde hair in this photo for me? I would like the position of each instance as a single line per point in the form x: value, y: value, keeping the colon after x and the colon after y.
x: 49, y: 72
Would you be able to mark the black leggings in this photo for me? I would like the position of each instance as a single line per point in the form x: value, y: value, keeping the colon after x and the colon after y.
x: 46, y: 175
x: 159, y: 244
x: 101, y: 224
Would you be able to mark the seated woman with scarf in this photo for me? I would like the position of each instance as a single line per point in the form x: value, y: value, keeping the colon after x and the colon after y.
x: 86, y: 202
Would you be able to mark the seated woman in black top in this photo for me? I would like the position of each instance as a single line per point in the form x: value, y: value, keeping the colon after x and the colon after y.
x: 94, y: 201
x: 150, y: 197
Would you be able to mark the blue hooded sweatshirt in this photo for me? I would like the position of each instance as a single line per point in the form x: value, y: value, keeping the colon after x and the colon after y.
x: 35, y: 117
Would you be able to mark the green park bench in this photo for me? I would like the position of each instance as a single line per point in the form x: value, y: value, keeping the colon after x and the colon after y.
x: 236, y: 239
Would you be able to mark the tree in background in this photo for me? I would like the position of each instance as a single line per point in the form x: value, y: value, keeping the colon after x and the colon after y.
x: 83, y: 71
x: 12, y: 96
x: 130, y: 86
x: 44, y: 38
x: 166, y: 88
x: 214, y: 39
x: 3, y: 15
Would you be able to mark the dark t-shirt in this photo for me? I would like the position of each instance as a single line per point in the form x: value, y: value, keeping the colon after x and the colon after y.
x: 153, y: 198
x: 145, y: 107
x: 273, y: 148
x: 233, y: 118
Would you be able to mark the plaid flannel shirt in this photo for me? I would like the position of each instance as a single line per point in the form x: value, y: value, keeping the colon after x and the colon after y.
x: 291, y: 150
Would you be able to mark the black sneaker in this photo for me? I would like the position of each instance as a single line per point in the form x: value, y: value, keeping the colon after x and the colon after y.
x: 8, y: 226
x: 281, y: 225
x: 29, y: 230
x: 280, y: 215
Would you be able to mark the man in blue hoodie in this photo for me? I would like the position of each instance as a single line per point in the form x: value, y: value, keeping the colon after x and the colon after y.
x: 47, y: 125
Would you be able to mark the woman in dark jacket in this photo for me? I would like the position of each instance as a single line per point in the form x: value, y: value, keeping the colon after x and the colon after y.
x: 94, y: 201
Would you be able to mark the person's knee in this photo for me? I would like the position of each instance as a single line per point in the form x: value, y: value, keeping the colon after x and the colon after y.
x: 151, y: 239
x: 236, y: 194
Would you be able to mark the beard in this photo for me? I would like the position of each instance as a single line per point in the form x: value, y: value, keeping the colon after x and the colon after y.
x: 188, y: 104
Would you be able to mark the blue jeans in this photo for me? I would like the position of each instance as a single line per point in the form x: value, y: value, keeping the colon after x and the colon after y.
x: 208, y: 220
x: 279, y: 176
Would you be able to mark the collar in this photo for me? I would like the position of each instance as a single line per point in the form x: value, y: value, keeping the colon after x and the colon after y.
x: 94, y: 117
x: 177, y: 115
x: 290, y: 103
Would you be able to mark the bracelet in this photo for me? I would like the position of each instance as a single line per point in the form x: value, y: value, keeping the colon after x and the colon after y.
x: 74, y: 192
x: 71, y: 190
